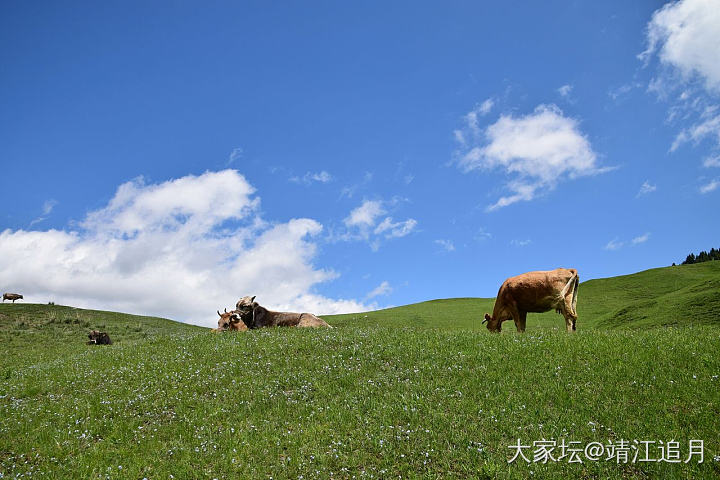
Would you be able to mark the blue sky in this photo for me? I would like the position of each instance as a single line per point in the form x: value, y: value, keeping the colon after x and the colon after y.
x: 170, y: 157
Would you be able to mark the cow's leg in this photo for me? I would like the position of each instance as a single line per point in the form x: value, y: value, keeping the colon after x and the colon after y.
x: 570, y: 320
x: 521, y: 321
x: 518, y: 318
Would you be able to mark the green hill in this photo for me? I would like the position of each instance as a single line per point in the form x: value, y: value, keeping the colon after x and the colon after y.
x: 679, y: 295
x: 34, y: 333
x: 421, y: 391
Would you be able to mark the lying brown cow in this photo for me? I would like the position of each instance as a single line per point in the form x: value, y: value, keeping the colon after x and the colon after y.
x: 230, y: 321
x: 99, y: 338
x: 255, y: 316
x: 12, y: 296
x: 536, y: 292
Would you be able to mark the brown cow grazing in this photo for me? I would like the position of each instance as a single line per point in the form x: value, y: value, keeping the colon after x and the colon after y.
x: 12, y: 296
x: 230, y: 321
x: 256, y: 316
x: 99, y: 338
x: 536, y: 292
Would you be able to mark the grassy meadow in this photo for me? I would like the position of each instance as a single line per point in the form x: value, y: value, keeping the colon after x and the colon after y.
x: 685, y: 295
x: 421, y: 391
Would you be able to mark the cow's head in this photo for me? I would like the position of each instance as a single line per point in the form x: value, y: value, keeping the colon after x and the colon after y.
x: 245, y: 304
x: 227, y: 320
x: 94, y: 335
x: 492, y: 324
x: 244, y: 307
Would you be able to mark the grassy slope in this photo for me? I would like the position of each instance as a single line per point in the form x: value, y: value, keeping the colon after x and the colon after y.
x: 34, y: 333
x: 681, y: 295
x: 376, y: 397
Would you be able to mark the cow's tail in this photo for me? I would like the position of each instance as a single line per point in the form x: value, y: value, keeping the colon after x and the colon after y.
x: 575, y: 292
x: 571, y: 284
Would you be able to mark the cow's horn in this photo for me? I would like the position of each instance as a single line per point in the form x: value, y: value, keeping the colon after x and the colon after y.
x: 219, y: 313
x: 484, y: 321
x: 225, y: 310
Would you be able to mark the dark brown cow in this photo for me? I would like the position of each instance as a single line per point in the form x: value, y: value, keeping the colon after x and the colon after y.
x: 536, y: 292
x: 12, y: 296
x: 230, y: 321
x: 99, y: 338
x: 256, y: 316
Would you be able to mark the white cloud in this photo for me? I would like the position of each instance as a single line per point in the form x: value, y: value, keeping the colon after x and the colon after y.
x: 395, y: 229
x: 622, y: 90
x: 179, y: 249
x: 617, y: 244
x: 235, y: 155
x: 708, y: 127
x: 614, y: 244
x: 448, y: 245
x: 482, y: 235
x: 350, y: 190
x: 383, y: 289
x: 685, y: 35
x: 539, y: 150
x: 646, y: 188
x: 47, y: 208
x: 362, y: 223
x: 709, y: 187
x: 565, y: 90
x: 310, y: 177
x: 485, y: 107
x: 366, y: 214
x: 711, y: 162
x: 641, y: 239
x: 520, y: 243
x: 472, y: 121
